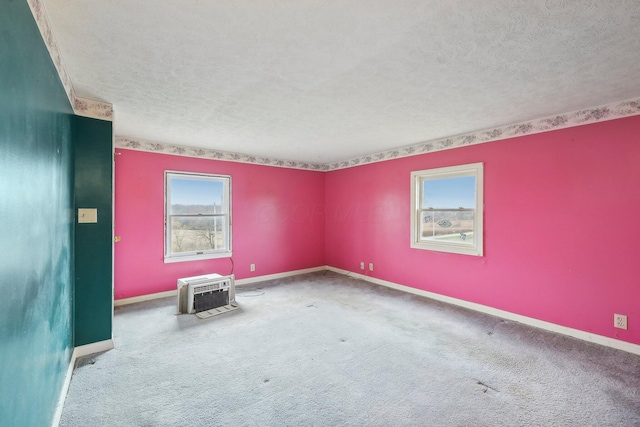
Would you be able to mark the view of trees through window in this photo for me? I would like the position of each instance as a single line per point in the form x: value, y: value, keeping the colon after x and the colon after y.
x: 447, y: 209
x: 197, y: 233
x: 197, y: 213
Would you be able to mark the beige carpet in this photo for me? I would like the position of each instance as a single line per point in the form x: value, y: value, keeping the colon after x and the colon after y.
x: 327, y: 350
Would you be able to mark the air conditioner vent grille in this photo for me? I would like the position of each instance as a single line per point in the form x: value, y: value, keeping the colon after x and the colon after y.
x: 200, y: 289
x: 202, y: 293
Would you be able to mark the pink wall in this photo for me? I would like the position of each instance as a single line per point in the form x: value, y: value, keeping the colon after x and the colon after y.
x: 562, y: 226
x: 278, y: 221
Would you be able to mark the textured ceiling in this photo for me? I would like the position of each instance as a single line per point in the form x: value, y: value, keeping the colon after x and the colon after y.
x: 327, y: 80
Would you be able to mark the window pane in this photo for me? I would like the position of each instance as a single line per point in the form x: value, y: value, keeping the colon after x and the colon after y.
x: 197, y: 234
x: 458, y: 192
x: 447, y: 225
x: 447, y: 209
x: 190, y: 196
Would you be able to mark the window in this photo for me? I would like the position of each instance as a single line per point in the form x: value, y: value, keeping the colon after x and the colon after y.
x: 446, y: 209
x: 197, y: 216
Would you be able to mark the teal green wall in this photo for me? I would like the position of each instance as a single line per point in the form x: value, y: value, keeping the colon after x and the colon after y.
x: 93, y: 242
x: 36, y: 223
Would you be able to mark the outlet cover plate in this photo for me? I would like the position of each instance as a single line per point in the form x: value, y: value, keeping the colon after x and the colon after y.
x: 620, y: 321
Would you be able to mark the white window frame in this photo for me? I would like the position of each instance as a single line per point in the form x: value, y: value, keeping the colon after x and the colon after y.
x: 226, y: 252
x: 417, y: 178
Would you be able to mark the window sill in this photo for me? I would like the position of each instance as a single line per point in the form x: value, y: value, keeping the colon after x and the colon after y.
x: 201, y: 257
x: 450, y: 248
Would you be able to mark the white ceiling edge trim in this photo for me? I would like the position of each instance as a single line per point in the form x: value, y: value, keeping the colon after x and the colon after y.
x: 615, y: 110
x: 81, y: 106
x: 104, y: 111
x: 206, y: 153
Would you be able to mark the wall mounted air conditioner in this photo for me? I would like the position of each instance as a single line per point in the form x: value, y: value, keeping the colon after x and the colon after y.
x: 211, y: 293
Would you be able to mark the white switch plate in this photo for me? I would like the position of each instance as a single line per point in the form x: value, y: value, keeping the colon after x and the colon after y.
x: 370, y: 266
x: 87, y: 215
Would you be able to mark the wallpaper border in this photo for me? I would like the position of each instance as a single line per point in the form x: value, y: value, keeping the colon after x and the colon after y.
x: 615, y: 110
x: 206, y: 153
x: 603, y: 113
x: 104, y: 111
x: 81, y: 106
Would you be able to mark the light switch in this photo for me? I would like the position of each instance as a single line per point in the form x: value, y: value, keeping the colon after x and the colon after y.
x: 87, y: 215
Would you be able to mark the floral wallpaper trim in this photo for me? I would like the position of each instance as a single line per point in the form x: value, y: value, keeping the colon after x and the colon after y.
x: 206, y: 153
x: 94, y: 109
x: 577, y: 118
x: 104, y: 111
x: 611, y: 111
x: 81, y: 106
x: 42, y: 20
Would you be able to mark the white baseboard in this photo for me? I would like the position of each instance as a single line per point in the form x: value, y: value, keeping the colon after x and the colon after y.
x: 141, y: 298
x: 279, y: 275
x: 65, y: 389
x: 575, y: 333
x: 96, y: 347
x: 83, y: 350
x: 239, y: 282
x: 552, y: 327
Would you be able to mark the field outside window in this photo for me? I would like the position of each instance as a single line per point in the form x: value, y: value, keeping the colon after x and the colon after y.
x: 447, y: 209
x: 197, y: 216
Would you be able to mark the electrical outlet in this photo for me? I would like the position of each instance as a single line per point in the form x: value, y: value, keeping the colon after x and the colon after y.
x: 370, y: 266
x: 252, y: 267
x: 620, y: 321
x: 361, y: 265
